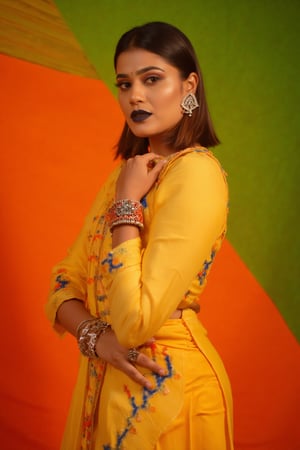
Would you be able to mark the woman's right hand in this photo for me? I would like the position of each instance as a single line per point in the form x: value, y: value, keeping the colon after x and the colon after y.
x: 138, y: 175
x: 109, y: 349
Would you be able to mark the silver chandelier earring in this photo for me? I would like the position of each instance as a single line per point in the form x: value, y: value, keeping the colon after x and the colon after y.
x: 189, y: 103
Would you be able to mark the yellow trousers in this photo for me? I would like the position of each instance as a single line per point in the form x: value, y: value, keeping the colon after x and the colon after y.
x: 189, y: 410
x: 201, y: 423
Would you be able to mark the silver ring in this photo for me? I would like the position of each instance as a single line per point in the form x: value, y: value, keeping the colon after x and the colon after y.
x: 132, y: 355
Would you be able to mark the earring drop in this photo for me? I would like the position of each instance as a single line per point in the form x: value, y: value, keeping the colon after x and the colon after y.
x: 189, y: 103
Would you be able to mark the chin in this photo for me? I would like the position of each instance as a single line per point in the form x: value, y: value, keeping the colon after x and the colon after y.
x: 139, y: 133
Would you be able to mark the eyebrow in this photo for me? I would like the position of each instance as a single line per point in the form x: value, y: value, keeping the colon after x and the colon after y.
x: 140, y: 71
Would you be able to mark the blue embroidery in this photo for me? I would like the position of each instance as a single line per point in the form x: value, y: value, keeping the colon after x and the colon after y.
x: 206, y: 265
x: 144, y: 202
x: 60, y: 283
x: 146, y: 395
x: 111, y: 265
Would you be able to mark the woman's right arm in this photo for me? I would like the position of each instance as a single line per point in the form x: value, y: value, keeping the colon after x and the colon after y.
x: 65, y: 307
x: 72, y: 312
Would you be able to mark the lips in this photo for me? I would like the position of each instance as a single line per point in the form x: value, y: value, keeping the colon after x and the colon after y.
x: 140, y: 115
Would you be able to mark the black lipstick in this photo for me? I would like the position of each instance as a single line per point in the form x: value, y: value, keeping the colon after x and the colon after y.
x: 140, y: 115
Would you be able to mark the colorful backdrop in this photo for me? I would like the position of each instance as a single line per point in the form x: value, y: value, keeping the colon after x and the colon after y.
x: 59, y: 123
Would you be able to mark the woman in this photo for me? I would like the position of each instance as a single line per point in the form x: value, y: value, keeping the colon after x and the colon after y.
x: 129, y: 288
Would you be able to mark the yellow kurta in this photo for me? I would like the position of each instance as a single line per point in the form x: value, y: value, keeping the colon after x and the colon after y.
x: 136, y: 287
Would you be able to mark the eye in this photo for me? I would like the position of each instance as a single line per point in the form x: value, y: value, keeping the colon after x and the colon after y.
x: 152, y: 79
x: 123, y: 85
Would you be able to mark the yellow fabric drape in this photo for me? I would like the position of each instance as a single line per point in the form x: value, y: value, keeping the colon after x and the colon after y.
x: 136, y: 287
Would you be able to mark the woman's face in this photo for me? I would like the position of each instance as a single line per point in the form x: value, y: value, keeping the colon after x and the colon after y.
x: 150, y: 92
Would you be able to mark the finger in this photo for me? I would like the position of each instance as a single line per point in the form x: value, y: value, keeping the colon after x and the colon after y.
x: 148, y: 363
x: 160, y: 164
x: 135, y: 375
x: 148, y: 156
x: 157, y: 167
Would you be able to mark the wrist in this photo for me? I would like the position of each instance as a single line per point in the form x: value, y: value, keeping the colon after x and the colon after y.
x: 88, y: 333
x: 128, y: 196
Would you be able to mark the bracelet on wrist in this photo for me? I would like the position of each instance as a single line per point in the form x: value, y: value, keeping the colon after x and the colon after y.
x: 87, y: 333
x: 125, y: 212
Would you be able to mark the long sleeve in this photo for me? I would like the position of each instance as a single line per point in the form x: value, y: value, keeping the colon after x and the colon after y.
x: 69, y: 278
x: 189, y: 214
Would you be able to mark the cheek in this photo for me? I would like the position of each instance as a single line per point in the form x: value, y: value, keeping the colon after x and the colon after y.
x: 171, y: 95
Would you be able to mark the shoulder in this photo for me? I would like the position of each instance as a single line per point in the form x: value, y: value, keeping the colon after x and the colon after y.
x: 194, y: 179
x: 193, y: 165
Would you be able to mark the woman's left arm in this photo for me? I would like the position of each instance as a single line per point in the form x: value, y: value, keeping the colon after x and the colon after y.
x: 190, y: 213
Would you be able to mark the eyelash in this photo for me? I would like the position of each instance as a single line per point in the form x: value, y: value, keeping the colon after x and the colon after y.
x: 153, y: 79
x: 124, y: 85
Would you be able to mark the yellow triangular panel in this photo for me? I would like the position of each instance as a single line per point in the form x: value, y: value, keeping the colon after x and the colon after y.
x: 34, y: 30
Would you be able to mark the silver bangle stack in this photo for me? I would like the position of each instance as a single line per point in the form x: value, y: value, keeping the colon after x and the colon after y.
x: 87, y: 334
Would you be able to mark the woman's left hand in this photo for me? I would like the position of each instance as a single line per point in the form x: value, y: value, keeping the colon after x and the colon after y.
x: 109, y: 349
x: 138, y: 175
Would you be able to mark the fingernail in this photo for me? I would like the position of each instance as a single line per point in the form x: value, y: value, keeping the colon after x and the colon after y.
x: 162, y: 372
x: 148, y: 386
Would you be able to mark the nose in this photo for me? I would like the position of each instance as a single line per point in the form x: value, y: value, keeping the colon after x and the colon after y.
x: 136, y: 93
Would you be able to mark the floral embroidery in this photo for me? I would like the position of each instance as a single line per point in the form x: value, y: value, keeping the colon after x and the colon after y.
x: 96, y: 372
x: 98, y: 219
x: 97, y: 236
x: 139, y: 402
x: 206, y: 266
x: 93, y: 258
x: 144, y: 404
x: 111, y: 264
x: 101, y: 297
x: 61, y: 281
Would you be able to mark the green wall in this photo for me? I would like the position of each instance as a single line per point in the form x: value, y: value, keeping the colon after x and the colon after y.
x: 248, y: 54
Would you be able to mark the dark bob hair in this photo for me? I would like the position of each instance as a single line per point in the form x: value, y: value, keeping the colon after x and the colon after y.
x: 171, y: 44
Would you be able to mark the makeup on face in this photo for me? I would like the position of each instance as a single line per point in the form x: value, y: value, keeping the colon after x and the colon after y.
x: 150, y: 91
x: 140, y: 115
x: 139, y: 72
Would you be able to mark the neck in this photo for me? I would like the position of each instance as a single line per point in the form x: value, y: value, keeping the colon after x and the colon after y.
x: 158, y: 147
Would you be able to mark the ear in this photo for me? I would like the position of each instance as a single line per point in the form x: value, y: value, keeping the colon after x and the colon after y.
x: 191, y: 83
